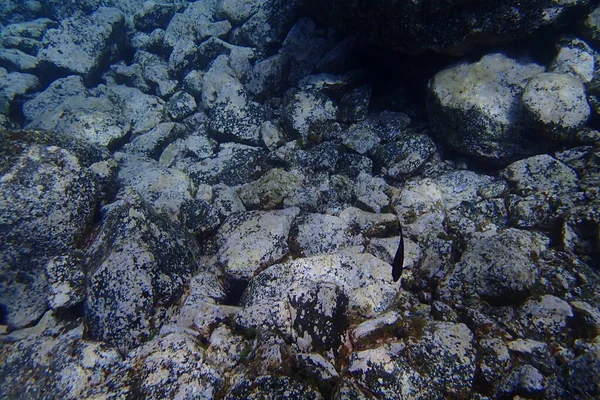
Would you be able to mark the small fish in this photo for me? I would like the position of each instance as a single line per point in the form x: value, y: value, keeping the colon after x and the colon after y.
x: 398, y: 263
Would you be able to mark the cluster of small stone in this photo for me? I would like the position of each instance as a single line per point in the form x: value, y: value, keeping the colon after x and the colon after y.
x: 197, y: 202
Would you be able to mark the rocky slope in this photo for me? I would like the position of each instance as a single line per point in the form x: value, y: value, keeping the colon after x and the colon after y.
x: 203, y: 200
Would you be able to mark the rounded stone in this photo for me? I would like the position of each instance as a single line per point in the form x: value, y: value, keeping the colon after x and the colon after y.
x: 558, y: 103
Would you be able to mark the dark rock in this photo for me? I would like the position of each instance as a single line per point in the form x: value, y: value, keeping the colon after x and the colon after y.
x: 269, y: 387
x: 137, y: 267
x: 155, y: 15
x: 446, y: 25
x: 49, y: 197
x: 199, y: 217
x: 13, y: 87
x: 584, y: 374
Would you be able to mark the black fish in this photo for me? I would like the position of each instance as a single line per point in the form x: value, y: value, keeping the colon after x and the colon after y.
x: 398, y: 263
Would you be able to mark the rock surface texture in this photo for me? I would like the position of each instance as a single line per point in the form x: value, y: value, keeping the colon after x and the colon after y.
x: 234, y: 199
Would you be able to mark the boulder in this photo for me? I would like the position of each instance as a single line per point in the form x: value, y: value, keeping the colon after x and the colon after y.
x: 500, y: 268
x: 475, y: 108
x: 49, y: 195
x: 556, y: 102
x: 137, y: 269
x: 319, y: 233
x: 249, y: 242
x: 174, y: 366
x: 84, y: 45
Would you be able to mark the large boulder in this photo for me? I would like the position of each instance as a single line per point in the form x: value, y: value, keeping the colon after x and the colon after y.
x: 84, y: 45
x: 476, y: 108
x: 49, y: 192
x: 137, y: 269
x: 451, y: 25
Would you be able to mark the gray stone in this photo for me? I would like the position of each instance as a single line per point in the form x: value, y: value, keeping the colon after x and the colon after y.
x: 386, y: 375
x: 475, y: 108
x: 192, y: 146
x: 58, y: 91
x: 556, y: 102
x: 371, y: 193
x: 545, y: 317
x: 165, y: 189
x: 128, y: 75
x: 174, y: 355
x: 500, y: 268
x: 155, y: 15
x: 53, y: 358
x: 591, y: 26
x: 16, y: 59
x: 576, y: 58
x: 72, y: 117
x: 583, y: 374
x: 586, y: 319
x: 181, y: 105
x: 303, y: 109
x: 365, y: 280
x: 33, y: 29
x: 49, y: 197
x: 495, y: 360
x: 138, y: 266
x: 525, y: 380
x: 26, y: 45
x: 267, y: 76
x: 231, y: 112
x: 66, y: 282
x: 199, y: 217
x: 84, y: 45
x: 156, y: 72
x: 253, y: 240
x: 13, y: 87
x: 142, y: 111
x: 192, y: 83
x: 370, y: 224
x: 152, y: 143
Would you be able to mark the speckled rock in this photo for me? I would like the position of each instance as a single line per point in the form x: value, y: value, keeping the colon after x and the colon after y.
x: 163, y: 188
x: 364, y: 280
x: 181, y: 105
x: 591, y: 26
x: 318, y: 318
x: 83, y: 45
x: 272, y: 189
x: 583, y: 373
x: 231, y: 112
x: 52, y: 358
x: 138, y: 267
x: 254, y: 240
x: 544, y: 190
x: 72, y: 116
x: 586, y: 319
x: 576, y: 58
x: 269, y: 24
x: 66, y: 282
x: 524, y: 380
x: 48, y: 199
x: 142, y: 111
x: 196, y: 146
x: 501, y: 268
x: 233, y: 164
x: 371, y: 193
x: 495, y: 360
x: 173, y: 366
x: 475, y: 108
x: 385, y: 374
x: 269, y: 387
x: 320, y: 233
x: 446, y: 355
x: 556, y: 102
x: 545, y: 317
x: 17, y: 60
x: 156, y: 72
x: 370, y: 224
x: 302, y: 109
x: 155, y: 14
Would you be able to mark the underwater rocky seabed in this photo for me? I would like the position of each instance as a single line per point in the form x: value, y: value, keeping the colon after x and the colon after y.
x: 202, y: 200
